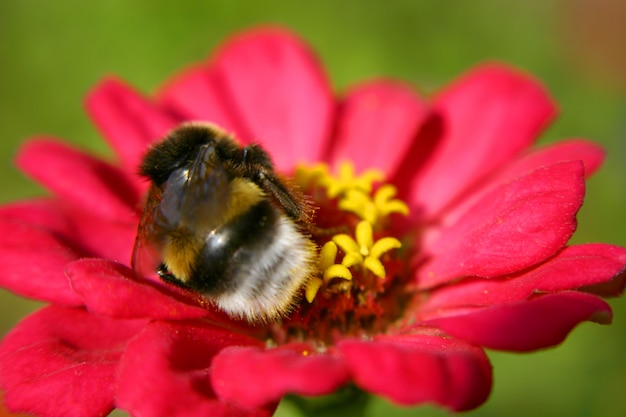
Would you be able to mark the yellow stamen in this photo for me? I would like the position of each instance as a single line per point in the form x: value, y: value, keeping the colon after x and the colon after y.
x: 307, y: 175
x: 346, y: 243
x: 347, y: 180
x: 329, y: 269
x: 328, y: 254
x: 346, y: 170
x: 351, y: 259
x: 364, y: 237
x: 375, y: 266
x: 353, y: 200
x: 312, y: 287
x: 354, y: 195
x: 359, y: 202
x: 364, y: 251
x: 385, y: 202
x: 369, y: 177
x: 384, y: 245
x: 374, y: 209
x: 337, y: 271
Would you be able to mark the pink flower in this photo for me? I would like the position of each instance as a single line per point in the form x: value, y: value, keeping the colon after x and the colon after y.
x: 484, y: 261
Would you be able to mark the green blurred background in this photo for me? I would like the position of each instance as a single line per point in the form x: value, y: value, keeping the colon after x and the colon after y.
x: 51, y: 53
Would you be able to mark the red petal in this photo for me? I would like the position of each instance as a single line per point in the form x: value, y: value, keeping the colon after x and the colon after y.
x: 165, y: 371
x: 487, y: 117
x: 127, y: 120
x: 280, y: 94
x: 109, y: 289
x: 589, y: 153
x: 62, y: 361
x: 572, y: 268
x: 254, y: 377
x: 612, y: 288
x: 528, y: 325
x: 511, y: 228
x: 90, y: 235
x: 33, y: 263
x: 419, y: 369
x: 103, y: 238
x: 378, y: 122
x: 85, y: 181
x: 45, y: 214
x: 197, y: 94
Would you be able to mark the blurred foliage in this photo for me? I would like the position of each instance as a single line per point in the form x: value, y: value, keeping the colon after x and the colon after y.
x: 52, y: 53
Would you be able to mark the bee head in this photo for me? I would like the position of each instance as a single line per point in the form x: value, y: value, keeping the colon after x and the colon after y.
x: 179, y: 148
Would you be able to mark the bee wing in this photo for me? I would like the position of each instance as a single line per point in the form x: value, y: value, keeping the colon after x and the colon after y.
x: 193, y: 198
x: 148, y: 243
x: 206, y: 194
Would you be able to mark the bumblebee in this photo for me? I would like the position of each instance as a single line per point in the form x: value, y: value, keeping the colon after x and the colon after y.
x: 219, y: 221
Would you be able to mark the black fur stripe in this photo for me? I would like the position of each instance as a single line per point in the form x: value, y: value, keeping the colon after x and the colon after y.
x: 231, y: 246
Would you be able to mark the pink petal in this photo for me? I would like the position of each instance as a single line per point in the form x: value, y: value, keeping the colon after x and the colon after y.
x: 487, y: 117
x: 102, y: 238
x: 378, y: 122
x: 165, y: 371
x: 572, y: 268
x: 62, y: 361
x: 83, y: 180
x: 589, y: 153
x: 254, y: 377
x: 197, y: 94
x: 45, y: 214
x: 419, y: 368
x: 128, y: 121
x: 280, y: 93
x: 33, y: 263
x: 88, y: 234
x: 612, y: 288
x: 527, y: 325
x: 511, y: 228
x: 109, y: 289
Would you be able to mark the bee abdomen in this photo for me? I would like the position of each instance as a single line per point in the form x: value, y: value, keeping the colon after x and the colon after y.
x: 254, y: 265
x: 228, y: 247
x: 268, y: 281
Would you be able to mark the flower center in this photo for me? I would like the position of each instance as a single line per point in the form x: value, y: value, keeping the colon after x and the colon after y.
x: 360, y: 289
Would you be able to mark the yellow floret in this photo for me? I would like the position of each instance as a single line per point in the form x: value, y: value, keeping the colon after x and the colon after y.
x: 329, y: 269
x: 354, y: 195
x: 347, y: 180
x: 373, y: 210
x: 364, y: 250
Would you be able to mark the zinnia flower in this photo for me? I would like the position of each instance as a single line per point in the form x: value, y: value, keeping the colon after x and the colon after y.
x: 441, y: 233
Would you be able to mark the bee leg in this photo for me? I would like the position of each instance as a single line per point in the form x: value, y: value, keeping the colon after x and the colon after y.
x: 167, y: 276
x: 294, y: 204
